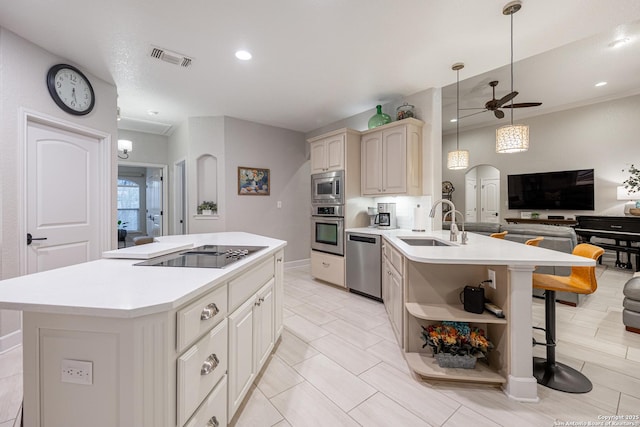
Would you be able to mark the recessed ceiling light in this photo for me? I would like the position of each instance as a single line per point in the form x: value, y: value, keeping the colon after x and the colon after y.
x: 599, y: 84
x: 152, y: 112
x: 453, y: 120
x: 619, y: 42
x: 243, y: 55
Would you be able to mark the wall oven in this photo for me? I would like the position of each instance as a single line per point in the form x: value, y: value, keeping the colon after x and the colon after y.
x: 327, y: 229
x: 327, y: 187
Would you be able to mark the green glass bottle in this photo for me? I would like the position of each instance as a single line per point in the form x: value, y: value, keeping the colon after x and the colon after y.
x: 379, y: 118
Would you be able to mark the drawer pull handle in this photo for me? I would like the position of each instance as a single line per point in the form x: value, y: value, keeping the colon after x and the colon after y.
x: 259, y: 301
x: 325, y: 264
x: 209, y: 365
x: 209, y: 311
x: 213, y: 422
x: 279, y: 260
x: 612, y: 226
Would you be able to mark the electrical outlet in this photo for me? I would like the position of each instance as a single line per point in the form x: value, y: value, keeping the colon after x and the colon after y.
x: 76, y: 372
x: 492, y: 277
x: 279, y: 204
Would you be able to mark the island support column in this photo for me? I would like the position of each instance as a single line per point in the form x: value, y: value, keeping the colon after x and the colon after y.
x: 521, y: 384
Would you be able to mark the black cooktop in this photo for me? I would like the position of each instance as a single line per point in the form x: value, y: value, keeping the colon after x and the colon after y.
x: 207, y: 256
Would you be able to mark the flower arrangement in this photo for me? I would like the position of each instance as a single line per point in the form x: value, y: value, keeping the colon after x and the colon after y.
x: 456, y: 338
x: 632, y: 184
x: 207, y: 206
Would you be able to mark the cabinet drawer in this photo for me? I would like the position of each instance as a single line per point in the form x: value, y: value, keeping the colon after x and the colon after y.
x: 213, y: 412
x: 244, y: 286
x: 200, y: 316
x: 199, y: 369
x: 329, y: 268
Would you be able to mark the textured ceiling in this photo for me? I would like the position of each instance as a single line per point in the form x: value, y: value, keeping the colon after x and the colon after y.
x: 314, y: 61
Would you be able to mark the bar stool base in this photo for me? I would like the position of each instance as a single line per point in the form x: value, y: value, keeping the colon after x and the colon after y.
x: 560, y: 377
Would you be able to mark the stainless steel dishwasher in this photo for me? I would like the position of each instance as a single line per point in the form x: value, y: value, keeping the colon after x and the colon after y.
x: 363, y: 265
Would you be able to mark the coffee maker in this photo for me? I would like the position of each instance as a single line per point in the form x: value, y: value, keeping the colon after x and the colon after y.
x: 387, y: 215
x: 373, y: 216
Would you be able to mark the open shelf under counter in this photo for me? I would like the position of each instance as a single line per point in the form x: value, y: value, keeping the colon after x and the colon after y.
x: 450, y: 312
x: 425, y: 365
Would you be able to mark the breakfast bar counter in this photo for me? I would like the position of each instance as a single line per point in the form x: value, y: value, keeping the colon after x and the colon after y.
x: 423, y: 276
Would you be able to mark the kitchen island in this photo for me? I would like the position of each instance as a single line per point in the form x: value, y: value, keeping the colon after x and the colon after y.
x: 421, y: 285
x: 109, y: 343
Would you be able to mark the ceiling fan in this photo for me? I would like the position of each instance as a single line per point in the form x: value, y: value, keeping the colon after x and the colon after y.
x: 495, y: 104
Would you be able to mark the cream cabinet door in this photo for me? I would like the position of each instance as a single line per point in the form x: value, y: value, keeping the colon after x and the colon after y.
x: 335, y: 153
x: 278, y: 295
x: 371, y: 178
x: 263, y: 324
x: 318, y: 157
x: 241, y: 354
x: 395, y: 297
x: 394, y: 160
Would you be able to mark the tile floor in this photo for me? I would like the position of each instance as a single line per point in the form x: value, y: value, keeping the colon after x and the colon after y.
x: 338, y: 364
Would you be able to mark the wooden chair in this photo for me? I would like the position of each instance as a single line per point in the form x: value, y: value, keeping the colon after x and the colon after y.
x: 499, y: 235
x: 582, y: 280
x: 534, y: 242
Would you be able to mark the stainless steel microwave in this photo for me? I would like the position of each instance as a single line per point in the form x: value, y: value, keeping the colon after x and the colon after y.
x: 327, y: 187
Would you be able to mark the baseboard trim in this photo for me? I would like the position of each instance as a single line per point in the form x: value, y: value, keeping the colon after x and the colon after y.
x: 10, y: 341
x: 297, y: 263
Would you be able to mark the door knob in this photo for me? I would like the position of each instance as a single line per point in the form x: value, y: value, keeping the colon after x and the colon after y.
x: 30, y: 238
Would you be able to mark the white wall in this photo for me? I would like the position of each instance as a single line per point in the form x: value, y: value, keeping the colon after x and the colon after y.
x: 283, y: 152
x: 147, y: 147
x: 601, y: 136
x: 23, y: 71
x: 236, y: 143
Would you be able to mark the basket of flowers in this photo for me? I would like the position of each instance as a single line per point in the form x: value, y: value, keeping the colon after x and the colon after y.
x: 456, y: 344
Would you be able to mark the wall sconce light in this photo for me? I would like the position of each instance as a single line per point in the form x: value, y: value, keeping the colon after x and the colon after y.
x: 125, y: 146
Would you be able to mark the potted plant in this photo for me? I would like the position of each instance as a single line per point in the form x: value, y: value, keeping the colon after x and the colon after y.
x: 455, y: 344
x: 122, y: 231
x: 632, y: 184
x: 207, y: 208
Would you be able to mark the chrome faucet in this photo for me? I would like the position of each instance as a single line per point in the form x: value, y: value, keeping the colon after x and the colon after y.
x: 464, y: 237
x: 453, y: 235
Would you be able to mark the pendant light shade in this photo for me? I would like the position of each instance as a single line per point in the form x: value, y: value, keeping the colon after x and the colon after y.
x: 458, y: 159
x: 512, y: 138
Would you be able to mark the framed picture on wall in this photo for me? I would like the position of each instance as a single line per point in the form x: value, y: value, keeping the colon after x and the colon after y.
x: 253, y: 181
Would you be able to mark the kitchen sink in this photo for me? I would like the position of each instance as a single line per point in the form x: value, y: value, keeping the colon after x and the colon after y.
x: 424, y: 241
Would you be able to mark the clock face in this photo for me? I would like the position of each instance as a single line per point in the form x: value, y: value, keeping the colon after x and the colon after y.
x: 70, y: 89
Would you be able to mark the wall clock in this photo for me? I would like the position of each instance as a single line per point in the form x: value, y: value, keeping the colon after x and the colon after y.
x: 70, y: 89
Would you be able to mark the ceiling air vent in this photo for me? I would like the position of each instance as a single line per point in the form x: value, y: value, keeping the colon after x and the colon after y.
x: 170, y: 57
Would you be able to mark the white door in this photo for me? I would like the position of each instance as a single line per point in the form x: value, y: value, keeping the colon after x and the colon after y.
x: 490, y: 199
x: 154, y: 202
x: 62, y: 198
x: 470, y: 200
x: 179, y: 199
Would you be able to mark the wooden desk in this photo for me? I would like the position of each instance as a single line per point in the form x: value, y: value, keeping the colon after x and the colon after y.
x: 568, y: 222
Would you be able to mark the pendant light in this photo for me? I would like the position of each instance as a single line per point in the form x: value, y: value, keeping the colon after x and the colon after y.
x: 512, y: 138
x: 458, y: 159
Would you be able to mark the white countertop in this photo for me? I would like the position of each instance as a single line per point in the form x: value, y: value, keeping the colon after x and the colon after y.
x: 480, y: 249
x: 117, y: 288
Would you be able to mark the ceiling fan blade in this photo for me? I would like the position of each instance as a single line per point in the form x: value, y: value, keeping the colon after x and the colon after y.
x: 506, y: 98
x: 523, y: 105
x: 499, y: 114
x: 473, y: 114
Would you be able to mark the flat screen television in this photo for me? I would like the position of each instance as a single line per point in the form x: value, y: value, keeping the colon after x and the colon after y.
x: 563, y: 190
